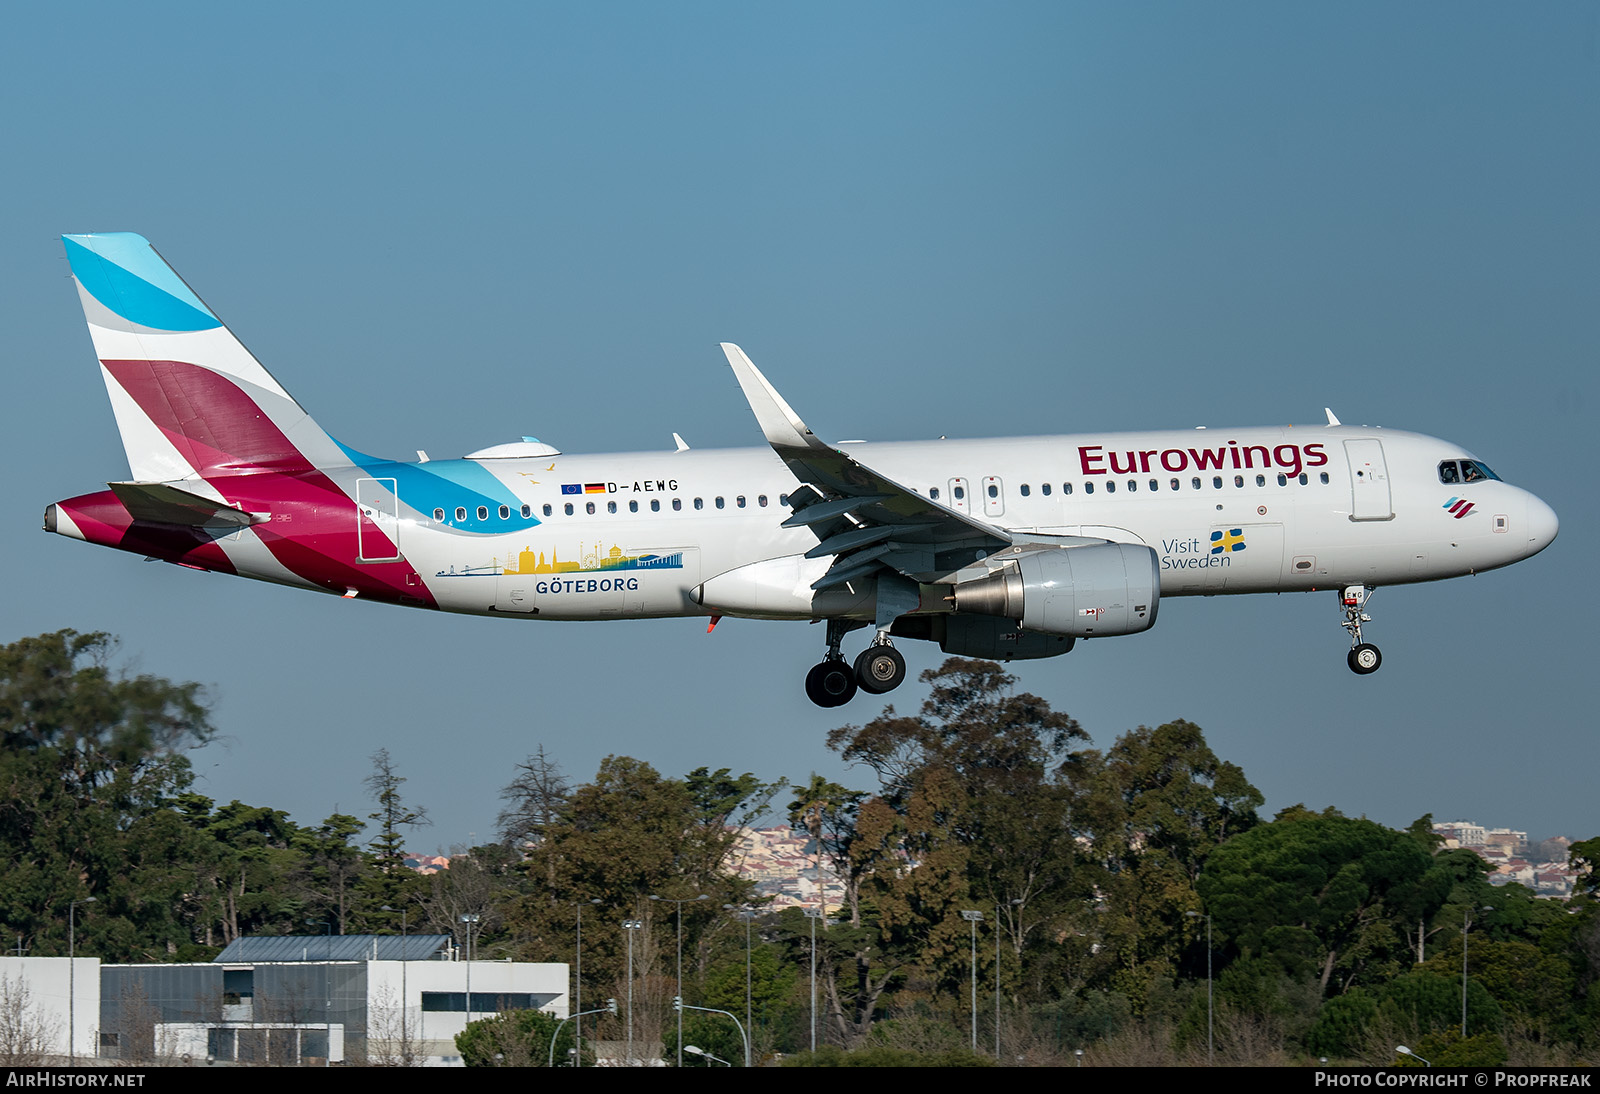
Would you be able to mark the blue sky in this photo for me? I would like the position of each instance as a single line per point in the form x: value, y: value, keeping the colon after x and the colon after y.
x: 445, y: 229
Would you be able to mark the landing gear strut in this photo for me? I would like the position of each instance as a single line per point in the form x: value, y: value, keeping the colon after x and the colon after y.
x: 1364, y: 657
x: 832, y: 683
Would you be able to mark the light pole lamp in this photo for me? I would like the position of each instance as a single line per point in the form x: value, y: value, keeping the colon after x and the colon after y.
x: 680, y: 904
x: 72, y: 976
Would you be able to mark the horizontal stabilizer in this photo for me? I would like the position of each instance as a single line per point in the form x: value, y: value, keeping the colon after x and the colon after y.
x: 162, y: 504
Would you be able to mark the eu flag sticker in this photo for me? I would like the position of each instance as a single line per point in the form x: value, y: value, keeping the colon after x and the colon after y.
x: 572, y: 488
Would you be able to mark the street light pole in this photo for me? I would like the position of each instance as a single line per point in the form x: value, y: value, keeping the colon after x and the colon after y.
x: 749, y: 917
x: 630, y: 925
x: 680, y: 904
x: 1466, y: 921
x: 813, y: 914
x: 1210, y: 1038
x: 974, y: 918
x: 577, y: 1028
x: 72, y: 977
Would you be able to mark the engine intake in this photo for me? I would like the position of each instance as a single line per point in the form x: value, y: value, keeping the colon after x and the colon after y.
x: 1085, y: 592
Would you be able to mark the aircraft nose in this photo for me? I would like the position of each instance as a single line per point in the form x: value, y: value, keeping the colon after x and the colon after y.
x: 1542, y: 525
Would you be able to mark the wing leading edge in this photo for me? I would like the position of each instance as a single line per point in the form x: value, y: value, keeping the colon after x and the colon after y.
x: 866, y: 520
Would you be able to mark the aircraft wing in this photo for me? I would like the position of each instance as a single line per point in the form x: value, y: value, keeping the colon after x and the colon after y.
x: 866, y: 520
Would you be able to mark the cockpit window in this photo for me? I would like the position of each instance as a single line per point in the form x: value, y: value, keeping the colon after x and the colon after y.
x: 1458, y: 471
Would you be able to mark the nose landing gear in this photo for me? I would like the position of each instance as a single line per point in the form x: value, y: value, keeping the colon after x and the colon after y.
x: 1364, y: 657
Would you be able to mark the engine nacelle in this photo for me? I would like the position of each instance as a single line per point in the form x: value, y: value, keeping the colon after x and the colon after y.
x: 1085, y: 592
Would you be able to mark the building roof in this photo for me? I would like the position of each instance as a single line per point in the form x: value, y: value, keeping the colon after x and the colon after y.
x: 337, y: 947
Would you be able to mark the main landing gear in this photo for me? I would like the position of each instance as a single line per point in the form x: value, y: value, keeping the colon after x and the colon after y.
x: 1364, y: 657
x: 834, y: 681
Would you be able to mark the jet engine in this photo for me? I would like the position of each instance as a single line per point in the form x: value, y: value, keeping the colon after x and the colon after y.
x: 1083, y: 592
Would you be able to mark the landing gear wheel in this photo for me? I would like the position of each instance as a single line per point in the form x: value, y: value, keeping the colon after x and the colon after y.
x: 831, y: 683
x: 1365, y: 659
x: 879, y: 669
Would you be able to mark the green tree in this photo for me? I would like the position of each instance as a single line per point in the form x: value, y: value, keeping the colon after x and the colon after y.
x: 516, y: 1038
x: 1325, y: 897
x: 89, y: 756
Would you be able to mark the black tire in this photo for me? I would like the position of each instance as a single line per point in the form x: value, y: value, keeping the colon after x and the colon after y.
x: 880, y: 669
x: 1365, y: 659
x: 831, y: 684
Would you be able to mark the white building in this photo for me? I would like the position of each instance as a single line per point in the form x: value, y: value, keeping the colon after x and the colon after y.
x: 315, y: 999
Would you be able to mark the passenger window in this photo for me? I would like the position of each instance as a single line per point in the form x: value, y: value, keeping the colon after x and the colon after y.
x: 1024, y: 489
x: 719, y: 503
x: 461, y: 512
x: 699, y: 503
x: 1261, y: 480
x: 677, y: 505
x: 1155, y: 484
x: 1175, y: 484
x: 438, y: 515
x: 611, y: 507
x: 739, y: 501
x: 1045, y: 489
x: 1088, y: 488
x: 483, y: 512
x: 568, y: 508
x: 547, y: 509
x: 761, y: 500
x: 1216, y: 482
x: 933, y: 493
x: 783, y: 499
x: 1324, y: 478
x: 633, y: 507
x: 1066, y: 488
x: 1238, y: 481
x: 655, y: 505
x: 1111, y: 487
x: 1304, y: 478
x: 527, y: 511
x: 1195, y: 482
x: 1133, y: 484
x: 505, y: 512
x: 589, y: 507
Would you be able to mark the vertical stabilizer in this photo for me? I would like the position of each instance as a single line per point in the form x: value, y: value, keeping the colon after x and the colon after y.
x: 189, y: 399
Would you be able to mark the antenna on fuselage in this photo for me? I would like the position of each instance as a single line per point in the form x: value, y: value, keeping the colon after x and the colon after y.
x: 1331, y: 419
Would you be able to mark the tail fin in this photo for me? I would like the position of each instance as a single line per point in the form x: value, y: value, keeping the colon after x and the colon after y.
x: 189, y: 399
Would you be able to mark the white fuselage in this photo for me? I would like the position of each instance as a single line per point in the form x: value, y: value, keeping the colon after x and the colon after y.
x: 1225, y: 511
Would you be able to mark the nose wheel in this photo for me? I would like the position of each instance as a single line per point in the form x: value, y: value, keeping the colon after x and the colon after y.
x: 1364, y: 657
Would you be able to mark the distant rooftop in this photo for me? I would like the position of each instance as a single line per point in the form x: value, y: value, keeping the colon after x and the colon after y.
x: 259, y: 950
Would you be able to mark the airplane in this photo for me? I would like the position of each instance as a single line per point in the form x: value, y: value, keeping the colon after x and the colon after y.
x: 1004, y: 549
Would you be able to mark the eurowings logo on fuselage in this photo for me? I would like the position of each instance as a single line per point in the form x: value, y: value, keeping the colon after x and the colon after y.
x: 1458, y: 507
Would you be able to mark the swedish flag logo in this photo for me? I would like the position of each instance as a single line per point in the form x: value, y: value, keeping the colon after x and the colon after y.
x: 1227, y: 542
